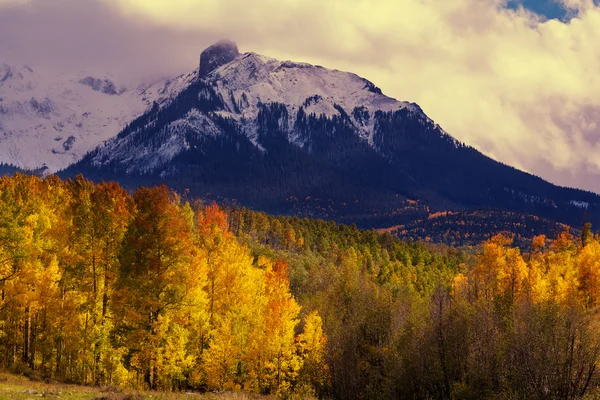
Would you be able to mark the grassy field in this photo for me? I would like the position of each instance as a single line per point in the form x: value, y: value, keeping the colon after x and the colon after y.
x: 21, y: 388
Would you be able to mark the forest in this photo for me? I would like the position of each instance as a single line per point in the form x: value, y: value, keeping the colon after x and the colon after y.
x: 315, y: 165
x: 153, y: 290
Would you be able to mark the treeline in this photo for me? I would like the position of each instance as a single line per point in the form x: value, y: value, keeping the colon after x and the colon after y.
x: 473, y: 227
x: 387, y: 260
x: 102, y: 287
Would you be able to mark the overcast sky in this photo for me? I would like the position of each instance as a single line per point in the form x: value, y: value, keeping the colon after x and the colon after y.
x: 522, y: 88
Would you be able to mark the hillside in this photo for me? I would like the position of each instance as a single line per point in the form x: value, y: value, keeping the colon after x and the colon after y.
x: 296, y: 139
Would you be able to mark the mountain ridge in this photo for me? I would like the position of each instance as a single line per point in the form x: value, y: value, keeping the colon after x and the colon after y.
x: 248, y: 83
x: 276, y: 135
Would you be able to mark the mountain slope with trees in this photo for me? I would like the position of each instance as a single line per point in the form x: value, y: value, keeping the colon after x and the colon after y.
x: 296, y: 139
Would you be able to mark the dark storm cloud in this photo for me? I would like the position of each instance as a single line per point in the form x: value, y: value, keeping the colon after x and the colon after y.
x: 84, y: 34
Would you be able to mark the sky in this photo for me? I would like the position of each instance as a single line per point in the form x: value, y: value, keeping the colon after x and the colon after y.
x: 547, y: 8
x: 517, y: 79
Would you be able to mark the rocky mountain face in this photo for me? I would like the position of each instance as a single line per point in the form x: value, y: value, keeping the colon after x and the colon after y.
x: 219, y: 54
x: 295, y: 138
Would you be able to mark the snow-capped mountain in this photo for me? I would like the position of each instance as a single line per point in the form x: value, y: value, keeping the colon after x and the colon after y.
x: 296, y: 138
x: 50, y: 120
x: 244, y: 84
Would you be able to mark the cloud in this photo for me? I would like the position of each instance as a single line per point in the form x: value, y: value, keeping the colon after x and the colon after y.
x: 577, y: 5
x: 521, y: 88
x: 87, y: 34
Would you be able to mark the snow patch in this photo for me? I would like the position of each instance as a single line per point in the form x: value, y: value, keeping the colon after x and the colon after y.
x: 38, y: 105
x: 580, y: 204
x: 252, y: 79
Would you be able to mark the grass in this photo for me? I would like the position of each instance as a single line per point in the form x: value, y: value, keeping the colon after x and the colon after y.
x: 21, y: 388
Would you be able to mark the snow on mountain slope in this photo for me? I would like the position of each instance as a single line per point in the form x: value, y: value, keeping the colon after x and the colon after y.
x: 252, y: 79
x: 270, y: 133
x: 52, y: 120
x: 239, y: 86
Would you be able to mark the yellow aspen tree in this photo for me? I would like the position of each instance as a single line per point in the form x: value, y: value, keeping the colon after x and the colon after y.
x: 314, y: 374
x: 588, y: 270
x: 281, y: 319
x: 100, y: 214
x: 221, y: 361
x: 162, y: 275
x: 561, y: 273
x: 232, y: 311
x: 537, y: 282
x: 500, y: 270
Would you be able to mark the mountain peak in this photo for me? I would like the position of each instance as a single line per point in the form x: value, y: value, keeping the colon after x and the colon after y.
x: 220, y: 53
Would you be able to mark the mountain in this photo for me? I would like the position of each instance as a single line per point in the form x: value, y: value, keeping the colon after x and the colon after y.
x: 49, y: 120
x: 294, y: 138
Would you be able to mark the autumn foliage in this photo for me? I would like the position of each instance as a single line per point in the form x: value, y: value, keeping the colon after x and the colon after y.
x: 413, y: 320
x: 101, y: 287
